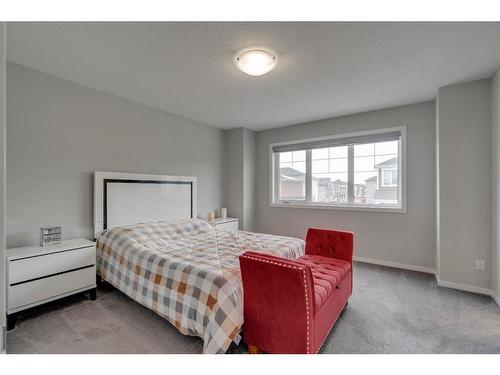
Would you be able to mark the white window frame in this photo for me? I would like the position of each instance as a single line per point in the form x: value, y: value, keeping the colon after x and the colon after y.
x: 402, y: 176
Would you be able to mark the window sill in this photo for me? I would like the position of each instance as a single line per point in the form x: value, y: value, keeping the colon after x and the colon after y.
x: 393, y: 210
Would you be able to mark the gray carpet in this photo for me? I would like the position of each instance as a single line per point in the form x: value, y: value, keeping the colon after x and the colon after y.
x: 391, y: 311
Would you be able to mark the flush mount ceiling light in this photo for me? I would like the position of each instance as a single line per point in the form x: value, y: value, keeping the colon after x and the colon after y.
x: 255, y: 62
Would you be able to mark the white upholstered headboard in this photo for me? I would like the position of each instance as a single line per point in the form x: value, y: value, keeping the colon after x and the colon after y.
x: 130, y: 198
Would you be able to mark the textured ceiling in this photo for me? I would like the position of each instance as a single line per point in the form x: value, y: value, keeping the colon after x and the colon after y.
x: 325, y: 69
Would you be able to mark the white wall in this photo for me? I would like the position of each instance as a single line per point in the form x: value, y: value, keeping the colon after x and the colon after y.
x: 495, y: 120
x: 465, y: 184
x: 59, y: 132
x: 240, y: 176
x: 2, y: 186
x: 391, y: 237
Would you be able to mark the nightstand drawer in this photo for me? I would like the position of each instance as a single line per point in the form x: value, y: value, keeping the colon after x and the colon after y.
x: 44, y: 265
x: 37, y: 291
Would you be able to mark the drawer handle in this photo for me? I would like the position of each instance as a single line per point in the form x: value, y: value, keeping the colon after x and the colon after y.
x: 51, y: 275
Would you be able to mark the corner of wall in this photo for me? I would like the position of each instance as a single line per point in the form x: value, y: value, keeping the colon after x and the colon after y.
x: 436, y: 112
x: 461, y: 148
x: 240, y: 176
x: 249, y: 200
x: 495, y: 138
x: 2, y: 188
x: 234, y: 173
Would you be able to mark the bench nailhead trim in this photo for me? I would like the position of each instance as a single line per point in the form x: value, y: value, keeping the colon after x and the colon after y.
x: 305, y: 290
x: 329, y: 330
x: 307, y: 312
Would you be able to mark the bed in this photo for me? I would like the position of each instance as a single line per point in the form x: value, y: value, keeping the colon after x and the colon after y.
x: 180, y: 267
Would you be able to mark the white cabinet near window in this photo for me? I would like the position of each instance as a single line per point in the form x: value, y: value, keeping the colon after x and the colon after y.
x: 37, y: 275
x: 229, y: 223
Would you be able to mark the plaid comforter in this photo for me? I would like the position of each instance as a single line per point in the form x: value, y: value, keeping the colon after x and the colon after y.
x: 187, y: 272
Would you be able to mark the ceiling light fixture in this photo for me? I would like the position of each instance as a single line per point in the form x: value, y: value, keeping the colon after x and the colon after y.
x: 256, y: 62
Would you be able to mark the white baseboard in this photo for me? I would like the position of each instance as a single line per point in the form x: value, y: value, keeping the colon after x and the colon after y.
x: 443, y: 283
x: 395, y: 265
x: 496, y: 298
x: 467, y: 288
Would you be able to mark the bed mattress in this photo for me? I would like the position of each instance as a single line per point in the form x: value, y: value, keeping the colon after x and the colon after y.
x: 187, y: 272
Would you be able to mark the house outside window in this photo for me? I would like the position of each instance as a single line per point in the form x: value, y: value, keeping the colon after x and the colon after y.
x: 352, y: 171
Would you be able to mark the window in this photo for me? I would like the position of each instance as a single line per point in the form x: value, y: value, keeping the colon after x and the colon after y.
x: 360, y: 170
x: 293, y: 175
x: 329, y: 169
x: 390, y: 177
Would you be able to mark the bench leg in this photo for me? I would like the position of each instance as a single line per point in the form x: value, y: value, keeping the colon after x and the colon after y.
x: 11, y: 321
x: 252, y: 349
x: 93, y: 294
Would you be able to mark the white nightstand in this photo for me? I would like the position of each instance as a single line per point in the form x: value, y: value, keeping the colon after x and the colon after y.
x: 229, y: 223
x: 37, y: 275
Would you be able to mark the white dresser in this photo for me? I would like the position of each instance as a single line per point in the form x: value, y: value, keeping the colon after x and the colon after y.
x: 37, y: 275
x: 229, y: 223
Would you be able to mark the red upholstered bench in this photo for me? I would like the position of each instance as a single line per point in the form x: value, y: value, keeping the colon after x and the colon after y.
x: 291, y: 305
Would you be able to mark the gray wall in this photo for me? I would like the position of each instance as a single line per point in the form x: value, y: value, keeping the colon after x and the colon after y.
x: 59, y: 132
x: 249, y: 179
x: 438, y: 217
x: 241, y: 176
x: 392, y: 237
x: 495, y: 120
x: 465, y: 183
x: 234, y: 174
x: 2, y: 184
